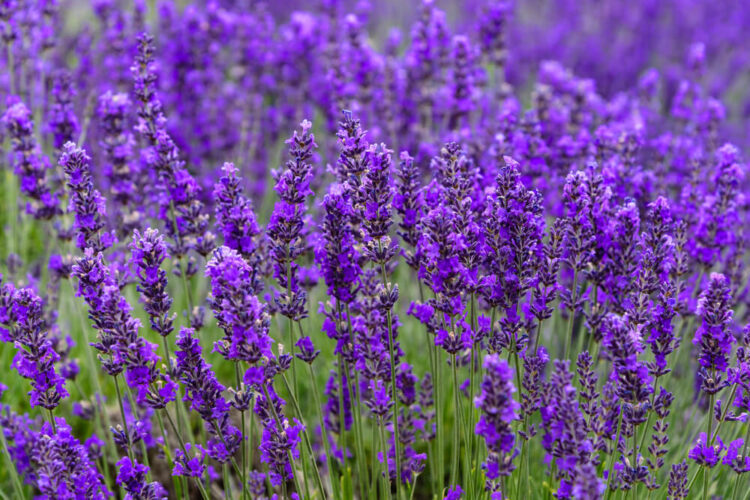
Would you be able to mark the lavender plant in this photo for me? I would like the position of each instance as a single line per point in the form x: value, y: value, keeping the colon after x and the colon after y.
x: 503, y: 256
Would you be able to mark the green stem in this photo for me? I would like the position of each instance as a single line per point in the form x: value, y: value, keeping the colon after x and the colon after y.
x: 615, y: 451
x: 386, y: 479
x: 396, y: 410
x: 243, y: 445
x: 744, y: 454
x: 457, y: 424
x: 324, y: 434
x: 12, y: 467
x: 197, y: 480
x: 571, y: 318
x: 305, y: 437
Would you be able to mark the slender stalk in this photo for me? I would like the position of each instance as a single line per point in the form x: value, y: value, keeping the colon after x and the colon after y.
x: 571, y: 318
x: 278, y: 422
x: 614, y: 453
x: 396, y: 410
x: 124, y: 420
x: 708, y: 439
x: 457, y: 424
x: 12, y: 468
x: 358, y: 436
x: 744, y: 454
x: 324, y: 434
x: 386, y: 480
x: 243, y: 445
x: 305, y: 437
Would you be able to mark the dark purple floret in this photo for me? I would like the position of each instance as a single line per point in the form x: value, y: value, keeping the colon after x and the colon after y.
x: 132, y: 477
x: 203, y: 392
x: 148, y: 253
x: 498, y: 411
x: 244, y: 318
x: 236, y: 220
x: 62, y: 120
x: 714, y: 338
x: 29, y: 164
x: 23, y: 324
x: 87, y: 203
x: 286, y: 226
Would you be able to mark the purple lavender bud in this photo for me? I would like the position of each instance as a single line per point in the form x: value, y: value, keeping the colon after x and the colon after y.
x: 705, y: 454
x: 462, y: 86
x: 678, y: 482
x: 62, y: 121
x: 236, y: 219
x: 380, y: 403
x: 87, y: 203
x: 119, y: 342
x: 132, y: 477
x: 62, y: 466
x: 148, y: 253
x: 498, y: 410
x: 335, y: 253
x: 190, y: 466
x: 285, y: 228
x: 376, y: 194
x: 307, y: 353
x: 492, y: 30
x: 240, y: 314
x: 714, y: 338
x: 24, y: 324
x: 408, y: 201
x: 180, y: 204
x: 204, y: 394
x: 117, y: 143
x: 29, y: 164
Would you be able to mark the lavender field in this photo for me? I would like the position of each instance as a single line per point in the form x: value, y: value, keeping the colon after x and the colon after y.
x: 339, y: 249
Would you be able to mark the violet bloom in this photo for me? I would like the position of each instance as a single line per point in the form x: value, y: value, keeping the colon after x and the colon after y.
x: 192, y: 465
x: 280, y: 439
x: 131, y: 476
x: 236, y: 220
x: 244, y: 318
x: 335, y: 253
x: 204, y: 394
x: 62, y: 466
x: 117, y: 143
x: 498, y: 411
x: 87, y: 203
x: 714, y: 338
x: 29, y: 164
x: 285, y: 228
x: 24, y: 324
x: 148, y: 253
x: 180, y: 203
x: 120, y: 345
x: 707, y: 454
x: 62, y: 121
x: 408, y: 202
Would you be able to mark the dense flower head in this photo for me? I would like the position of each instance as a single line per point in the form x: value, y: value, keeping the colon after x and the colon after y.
x: 713, y: 337
x: 235, y: 217
x: 29, y: 164
x: 149, y: 251
x: 244, y: 318
x: 336, y: 254
x: 498, y: 410
x: 86, y: 202
x: 25, y: 325
x: 203, y: 393
x: 569, y: 198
